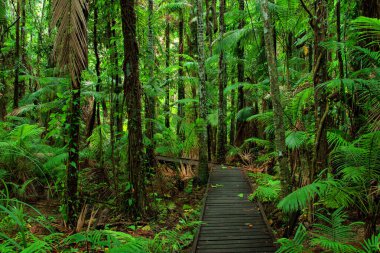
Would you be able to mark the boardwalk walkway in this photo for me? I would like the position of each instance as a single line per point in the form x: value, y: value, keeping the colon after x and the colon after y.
x: 231, y: 222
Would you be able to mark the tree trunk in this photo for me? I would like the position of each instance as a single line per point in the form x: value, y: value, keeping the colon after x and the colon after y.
x: 320, y: 102
x: 181, y: 87
x: 233, y: 118
x: 150, y: 100
x: 73, y: 160
x: 343, y: 97
x: 110, y: 34
x: 16, y: 87
x: 167, y: 63
x: 203, y: 163
x: 276, y: 100
x: 370, y: 8
x: 22, y: 85
x: 240, y: 77
x: 133, y: 96
x: 91, y: 124
x: 222, y: 103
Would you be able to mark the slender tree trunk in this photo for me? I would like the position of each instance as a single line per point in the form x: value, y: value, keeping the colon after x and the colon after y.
x: 222, y: 103
x: 320, y: 76
x: 192, y: 47
x: 181, y: 87
x: 133, y: 89
x: 16, y: 87
x: 114, y: 77
x: 3, y: 88
x: 150, y: 100
x: 276, y: 99
x: 209, y: 29
x: 22, y: 86
x: 3, y: 100
x: 73, y: 160
x: 339, y: 40
x: 91, y: 124
x: 203, y: 163
x: 343, y: 97
x: 233, y: 118
x: 167, y: 63
x: 240, y: 125
x: 214, y: 17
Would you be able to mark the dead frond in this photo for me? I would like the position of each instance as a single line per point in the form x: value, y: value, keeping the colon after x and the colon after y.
x: 70, y: 46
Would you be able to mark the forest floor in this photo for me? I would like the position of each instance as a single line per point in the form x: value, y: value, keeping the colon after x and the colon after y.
x: 174, y: 205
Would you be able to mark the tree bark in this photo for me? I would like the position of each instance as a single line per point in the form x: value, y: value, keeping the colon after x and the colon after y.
x: 240, y: 77
x: 222, y: 103
x: 320, y: 101
x: 167, y: 64
x: 233, y: 118
x: 91, y: 124
x: 181, y: 87
x: 16, y: 87
x: 133, y: 96
x: 22, y: 85
x: 73, y: 160
x: 276, y: 100
x: 150, y: 100
x: 203, y: 163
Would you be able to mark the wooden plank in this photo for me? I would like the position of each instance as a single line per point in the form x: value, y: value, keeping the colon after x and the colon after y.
x: 237, y: 250
x: 253, y: 245
x: 231, y: 223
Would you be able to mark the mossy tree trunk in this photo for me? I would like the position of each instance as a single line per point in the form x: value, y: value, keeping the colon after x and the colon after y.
x: 202, y: 122
x: 276, y: 99
x: 133, y: 97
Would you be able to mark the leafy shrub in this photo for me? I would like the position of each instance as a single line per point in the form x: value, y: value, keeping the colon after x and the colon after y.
x: 268, y: 188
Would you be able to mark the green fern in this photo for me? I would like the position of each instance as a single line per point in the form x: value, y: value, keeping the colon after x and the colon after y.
x: 296, y: 139
x: 371, y: 245
x: 294, y: 245
x: 332, y: 234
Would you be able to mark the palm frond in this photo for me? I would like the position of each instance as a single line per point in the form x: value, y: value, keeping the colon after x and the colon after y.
x: 367, y: 29
x: 70, y: 46
x: 299, y: 101
x: 298, y: 199
x: 336, y: 140
x: 296, y: 139
x: 260, y: 142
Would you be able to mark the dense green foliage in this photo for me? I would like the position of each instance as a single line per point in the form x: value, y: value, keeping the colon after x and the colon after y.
x: 91, y: 91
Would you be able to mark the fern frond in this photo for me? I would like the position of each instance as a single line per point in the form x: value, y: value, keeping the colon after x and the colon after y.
x: 296, y: 139
x: 295, y: 245
x: 371, y: 245
x: 298, y: 199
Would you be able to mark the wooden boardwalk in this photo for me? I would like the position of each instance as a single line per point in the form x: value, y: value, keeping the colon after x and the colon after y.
x: 231, y: 222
